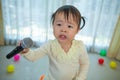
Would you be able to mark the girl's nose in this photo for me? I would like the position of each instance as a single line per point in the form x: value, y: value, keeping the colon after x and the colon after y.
x: 63, y: 30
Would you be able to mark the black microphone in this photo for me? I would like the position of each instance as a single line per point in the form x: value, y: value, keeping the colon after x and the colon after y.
x: 25, y: 43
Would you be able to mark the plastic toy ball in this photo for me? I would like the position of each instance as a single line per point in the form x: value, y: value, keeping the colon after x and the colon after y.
x: 17, y: 57
x: 100, y: 61
x: 113, y: 64
x: 10, y: 68
x: 42, y: 77
x: 103, y: 52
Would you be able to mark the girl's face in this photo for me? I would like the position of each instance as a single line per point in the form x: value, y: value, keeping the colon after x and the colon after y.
x: 65, y: 30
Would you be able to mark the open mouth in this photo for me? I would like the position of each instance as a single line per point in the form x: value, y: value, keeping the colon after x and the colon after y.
x: 62, y: 37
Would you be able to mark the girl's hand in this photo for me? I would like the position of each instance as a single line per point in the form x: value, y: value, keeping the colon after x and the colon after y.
x: 25, y: 50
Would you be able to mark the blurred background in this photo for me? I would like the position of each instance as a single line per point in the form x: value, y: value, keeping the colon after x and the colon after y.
x: 32, y: 18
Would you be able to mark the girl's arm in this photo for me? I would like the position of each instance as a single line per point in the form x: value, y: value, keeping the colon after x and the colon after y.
x: 84, y: 65
x: 34, y: 54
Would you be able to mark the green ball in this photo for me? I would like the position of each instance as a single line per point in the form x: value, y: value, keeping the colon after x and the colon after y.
x: 103, y: 52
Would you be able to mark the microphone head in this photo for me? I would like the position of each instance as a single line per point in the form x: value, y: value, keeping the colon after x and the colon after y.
x: 27, y: 43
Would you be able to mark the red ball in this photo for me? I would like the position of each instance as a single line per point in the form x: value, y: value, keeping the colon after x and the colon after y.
x: 100, y: 60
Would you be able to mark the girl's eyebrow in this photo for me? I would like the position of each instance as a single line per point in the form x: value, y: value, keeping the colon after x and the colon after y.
x: 71, y: 23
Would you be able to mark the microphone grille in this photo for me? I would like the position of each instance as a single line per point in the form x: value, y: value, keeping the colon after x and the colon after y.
x: 27, y: 43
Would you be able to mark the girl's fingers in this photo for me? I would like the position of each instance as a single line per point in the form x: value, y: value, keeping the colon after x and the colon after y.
x: 24, y: 50
x: 19, y: 43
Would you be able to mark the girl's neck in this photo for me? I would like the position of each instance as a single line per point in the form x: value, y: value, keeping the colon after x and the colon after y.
x: 66, y: 46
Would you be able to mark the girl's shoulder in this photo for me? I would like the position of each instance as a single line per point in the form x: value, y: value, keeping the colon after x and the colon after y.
x: 78, y: 42
x: 51, y: 41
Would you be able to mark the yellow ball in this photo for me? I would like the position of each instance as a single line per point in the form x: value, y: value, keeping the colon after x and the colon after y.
x: 113, y: 64
x: 10, y: 68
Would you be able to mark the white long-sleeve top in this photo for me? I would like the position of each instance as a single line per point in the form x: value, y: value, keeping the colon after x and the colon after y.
x: 72, y: 65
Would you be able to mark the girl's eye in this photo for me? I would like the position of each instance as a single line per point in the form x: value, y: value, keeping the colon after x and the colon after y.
x: 70, y: 26
x: 58, y: 24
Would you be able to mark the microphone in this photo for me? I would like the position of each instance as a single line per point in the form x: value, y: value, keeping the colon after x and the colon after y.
x: 25, y: 43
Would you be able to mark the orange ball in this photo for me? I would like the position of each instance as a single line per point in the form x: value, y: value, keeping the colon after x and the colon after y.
x: 42, y: 77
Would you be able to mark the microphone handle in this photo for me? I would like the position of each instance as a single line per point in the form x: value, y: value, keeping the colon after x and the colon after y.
x: 14, y: 52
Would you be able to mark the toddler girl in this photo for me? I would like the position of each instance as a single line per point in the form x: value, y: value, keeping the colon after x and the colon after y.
x: 68, y: 58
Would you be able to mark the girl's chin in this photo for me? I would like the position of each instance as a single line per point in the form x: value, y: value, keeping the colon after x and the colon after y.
x: 62, y: 40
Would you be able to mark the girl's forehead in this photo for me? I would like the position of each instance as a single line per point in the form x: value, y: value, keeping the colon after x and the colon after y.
x: 65, y: 17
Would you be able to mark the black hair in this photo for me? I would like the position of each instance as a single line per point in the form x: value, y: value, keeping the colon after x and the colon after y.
x: 69, y: 10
